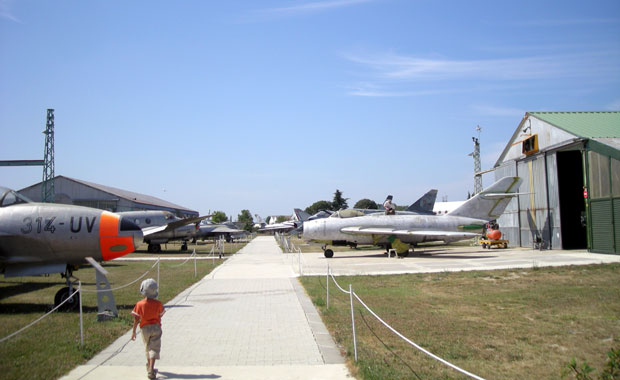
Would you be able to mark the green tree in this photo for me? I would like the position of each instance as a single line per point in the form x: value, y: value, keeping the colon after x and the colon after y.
x: 318, y: 206
x: 246, y: 220
x: 366, y: 204
x: 339, y: 202
x: 219, y: 217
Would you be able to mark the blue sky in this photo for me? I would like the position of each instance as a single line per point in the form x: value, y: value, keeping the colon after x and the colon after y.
x: 270, y: 105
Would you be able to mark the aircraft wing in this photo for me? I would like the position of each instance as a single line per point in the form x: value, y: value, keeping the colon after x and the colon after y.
x: 173, y: 225
x: 396, y: 232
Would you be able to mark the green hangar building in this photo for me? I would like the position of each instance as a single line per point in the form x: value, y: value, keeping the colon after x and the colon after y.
x: 570, y: 194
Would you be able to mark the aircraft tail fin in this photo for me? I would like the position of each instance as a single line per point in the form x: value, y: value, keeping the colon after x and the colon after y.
x: 301, y: 215
x: 491, y: 202
x: 425, y: 204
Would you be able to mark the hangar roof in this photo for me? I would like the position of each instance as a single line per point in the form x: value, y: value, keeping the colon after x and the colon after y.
x: 584, y: 124
x: 599, y: 126
x: 130, y: 195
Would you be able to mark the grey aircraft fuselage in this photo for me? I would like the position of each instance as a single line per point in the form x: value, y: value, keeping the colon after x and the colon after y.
x: 401, y: 231
x: 160, y: 227
x: 208, y: 230
x: 329, y: 230
x: 47, y: 238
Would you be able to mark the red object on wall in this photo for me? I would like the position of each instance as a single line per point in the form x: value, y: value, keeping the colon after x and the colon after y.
x: 585, y: 192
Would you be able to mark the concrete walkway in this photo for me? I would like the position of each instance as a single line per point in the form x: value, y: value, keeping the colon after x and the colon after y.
x: 249, y: 319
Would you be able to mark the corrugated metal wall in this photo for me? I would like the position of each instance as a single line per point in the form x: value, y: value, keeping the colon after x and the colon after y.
x: 509, y: 221
x: 535, y: 213
x: 553, y: 198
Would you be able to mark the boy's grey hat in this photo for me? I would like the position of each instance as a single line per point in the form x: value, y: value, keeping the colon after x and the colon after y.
x: 149, y: 288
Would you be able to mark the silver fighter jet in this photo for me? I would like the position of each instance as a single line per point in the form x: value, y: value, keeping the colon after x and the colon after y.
x: 160, y: 227
x: 402, y: 231
x: 46, y: 238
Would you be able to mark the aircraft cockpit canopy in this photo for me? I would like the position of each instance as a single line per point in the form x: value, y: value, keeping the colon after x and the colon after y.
x: 347, y: 213
x: 9, y: 197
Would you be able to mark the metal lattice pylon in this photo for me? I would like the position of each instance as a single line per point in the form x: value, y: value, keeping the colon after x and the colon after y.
x: 477, y: 164
x: 47, y: 185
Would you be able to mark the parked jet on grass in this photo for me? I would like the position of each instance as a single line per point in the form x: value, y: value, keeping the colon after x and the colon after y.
x: 46, y: 238
x: 160, y: 227
x: 402, y: 231
x: 295, y: 222
x: 227, y: 230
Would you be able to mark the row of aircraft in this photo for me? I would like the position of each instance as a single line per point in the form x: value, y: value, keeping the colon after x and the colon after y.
x: 46, y: 238
x: 160, y: 227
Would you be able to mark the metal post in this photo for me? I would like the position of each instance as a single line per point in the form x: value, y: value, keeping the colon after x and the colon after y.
x: 327, y: 283
x: 299, y: 258
x: 81, y: 321
x: 158, y: 259
x: 195, y: 269
x: 353, y: 322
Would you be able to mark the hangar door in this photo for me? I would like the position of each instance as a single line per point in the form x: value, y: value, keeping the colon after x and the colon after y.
x: 572, y: 203
x: 604, y: 196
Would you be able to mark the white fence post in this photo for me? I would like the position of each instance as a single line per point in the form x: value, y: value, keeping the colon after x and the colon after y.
x: 81, y: 319
x: 353, y: 322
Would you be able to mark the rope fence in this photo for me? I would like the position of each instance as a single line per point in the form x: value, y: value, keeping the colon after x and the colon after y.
x: 79, y: 291
x: 289, y: 247
x: 352, y: 295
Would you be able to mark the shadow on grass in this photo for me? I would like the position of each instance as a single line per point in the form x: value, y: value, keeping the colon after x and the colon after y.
x: 171, y: 375
x: 24, y: 287
x: 40, y: 308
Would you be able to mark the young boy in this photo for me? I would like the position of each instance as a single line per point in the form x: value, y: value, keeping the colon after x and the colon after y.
x: 148, y: 313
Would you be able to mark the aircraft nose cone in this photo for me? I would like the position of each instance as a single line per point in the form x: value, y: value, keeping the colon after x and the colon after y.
x: 309, y: 228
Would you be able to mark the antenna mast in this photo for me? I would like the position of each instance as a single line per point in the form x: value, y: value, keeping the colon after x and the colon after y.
x: 477, y: 165
x: 47, y: 185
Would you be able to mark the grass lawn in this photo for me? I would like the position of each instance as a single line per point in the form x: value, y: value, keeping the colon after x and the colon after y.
x: 51, y: 348
x: 506, y: 324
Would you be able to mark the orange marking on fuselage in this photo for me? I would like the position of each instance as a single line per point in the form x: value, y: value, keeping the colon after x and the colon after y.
x: 108, y: 237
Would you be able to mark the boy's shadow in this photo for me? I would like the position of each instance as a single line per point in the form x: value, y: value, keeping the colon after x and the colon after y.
x: 170, y: 375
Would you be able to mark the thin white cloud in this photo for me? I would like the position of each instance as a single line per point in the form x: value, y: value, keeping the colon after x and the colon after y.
x: 399, y: 67
x: 390, y: 74
x: 6, y: 11
x: 302, y: 9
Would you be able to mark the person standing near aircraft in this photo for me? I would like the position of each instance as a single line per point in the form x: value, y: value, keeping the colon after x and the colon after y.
x: 389, y: 207
x: 148, y: 313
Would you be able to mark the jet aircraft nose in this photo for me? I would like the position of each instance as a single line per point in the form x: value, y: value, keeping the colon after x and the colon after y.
x: 118, y: 236
x: 310, y: 227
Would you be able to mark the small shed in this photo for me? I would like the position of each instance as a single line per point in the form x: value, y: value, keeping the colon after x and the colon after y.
x: 570, y: 194
x: 83, y: 193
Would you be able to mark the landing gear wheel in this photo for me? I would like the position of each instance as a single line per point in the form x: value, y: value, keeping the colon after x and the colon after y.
x: 404, y: 254
x: 328, y: 253
x: 154, y: 248
x: 184, y: 247
x: 62, y: 295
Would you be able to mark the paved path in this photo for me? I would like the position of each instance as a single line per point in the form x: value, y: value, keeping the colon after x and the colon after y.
x: 430, y: 259
x: 249, y: 319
